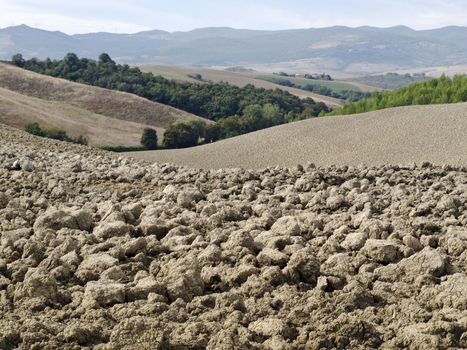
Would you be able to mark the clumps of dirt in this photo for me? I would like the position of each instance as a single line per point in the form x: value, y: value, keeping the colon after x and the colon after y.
x: 103, y: 252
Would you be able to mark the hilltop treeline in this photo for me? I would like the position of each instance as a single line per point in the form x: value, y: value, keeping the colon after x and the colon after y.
x: 255, y: 117
x: 435, y: 91
x: 211, y: 100
x: 392, y: 81
x: 349, y: 95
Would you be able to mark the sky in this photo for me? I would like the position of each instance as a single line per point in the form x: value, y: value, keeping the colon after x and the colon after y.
x: 123, y: 16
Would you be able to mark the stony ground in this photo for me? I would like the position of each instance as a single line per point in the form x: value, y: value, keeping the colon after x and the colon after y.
x: 103, y: 252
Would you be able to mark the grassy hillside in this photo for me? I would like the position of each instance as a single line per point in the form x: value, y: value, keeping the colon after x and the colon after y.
x: 239, y: 79
x: 435, y: 91
x: 173, y: 73
x: 335, y: 89
x: 396, y: 135
x: 336, y: 86
x: 391, y: 81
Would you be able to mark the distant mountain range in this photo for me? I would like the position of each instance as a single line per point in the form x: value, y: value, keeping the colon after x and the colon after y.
x: 362, y: 49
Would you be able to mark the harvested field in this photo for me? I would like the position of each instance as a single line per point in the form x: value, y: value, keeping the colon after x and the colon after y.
x: 104, y: 252
x: 17, y: 110
x: 238, y: 79
x: 109, y: 103
x: 403, y: 135
x: 333, y: 85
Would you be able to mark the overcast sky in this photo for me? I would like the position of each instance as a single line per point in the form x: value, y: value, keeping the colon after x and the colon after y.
x: 123, y: 16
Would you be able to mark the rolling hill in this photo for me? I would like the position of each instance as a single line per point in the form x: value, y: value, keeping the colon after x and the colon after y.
x: 357, y: 50
x: 105, y: 117
x: 17, y: 110
x: 238, y: 79
x: 425, y: 92
x: 401, y: 135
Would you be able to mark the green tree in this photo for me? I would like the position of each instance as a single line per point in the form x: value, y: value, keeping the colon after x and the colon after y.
x: 212, y: 133
x: 18, y: 60
x: 181, y: 135
x: 81, y: 140
x: 272, y: 114
x: 435, y: 91
x: 34, y: 129
x: 57, y: 134
x: 149, y: 139
x: 198, y: 127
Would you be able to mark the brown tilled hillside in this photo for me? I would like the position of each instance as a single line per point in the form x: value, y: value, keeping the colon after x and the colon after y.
x: 435, y: 133
x: 27, y: 96
x: 106, y: 253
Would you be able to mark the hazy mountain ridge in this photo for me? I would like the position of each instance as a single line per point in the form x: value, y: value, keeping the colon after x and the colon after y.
x: 337, y: 48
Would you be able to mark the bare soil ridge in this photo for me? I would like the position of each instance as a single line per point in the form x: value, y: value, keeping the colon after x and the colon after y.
x: 104, y: 252
x: 403, y: 135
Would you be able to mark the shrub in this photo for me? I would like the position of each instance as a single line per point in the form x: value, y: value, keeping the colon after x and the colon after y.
x: 34, y: 129
x: 57, y: 134
x: 149, y: 139
x: 53, y: 133
x: 121, y: 149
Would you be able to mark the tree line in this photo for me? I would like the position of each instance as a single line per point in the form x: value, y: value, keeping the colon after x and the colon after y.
x: 194, y: 132
x: 255, y: 117
x: 348, y: 95
x: 436, y: 91
x: 209, y: 100
x: 54, y: 133
x: 237, y: 110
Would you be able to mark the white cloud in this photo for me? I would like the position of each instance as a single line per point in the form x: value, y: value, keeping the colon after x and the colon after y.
x: 124, y: 17
x: 15, y: 14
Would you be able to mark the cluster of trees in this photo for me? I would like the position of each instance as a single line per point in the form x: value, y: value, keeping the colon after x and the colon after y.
x: 185, y: 134
x: 54, y: 133
x: 391, y: 81
x: 196, y: 76
x: 348, y: 95
x: 284, y: 74
x: 322, y: 76
x: 435, y: 91
x: 255, y: 117
x: 313, y: 76
x: 211, y: 100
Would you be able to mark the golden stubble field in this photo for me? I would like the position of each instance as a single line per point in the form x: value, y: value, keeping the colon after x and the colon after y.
x: 104, y: 116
